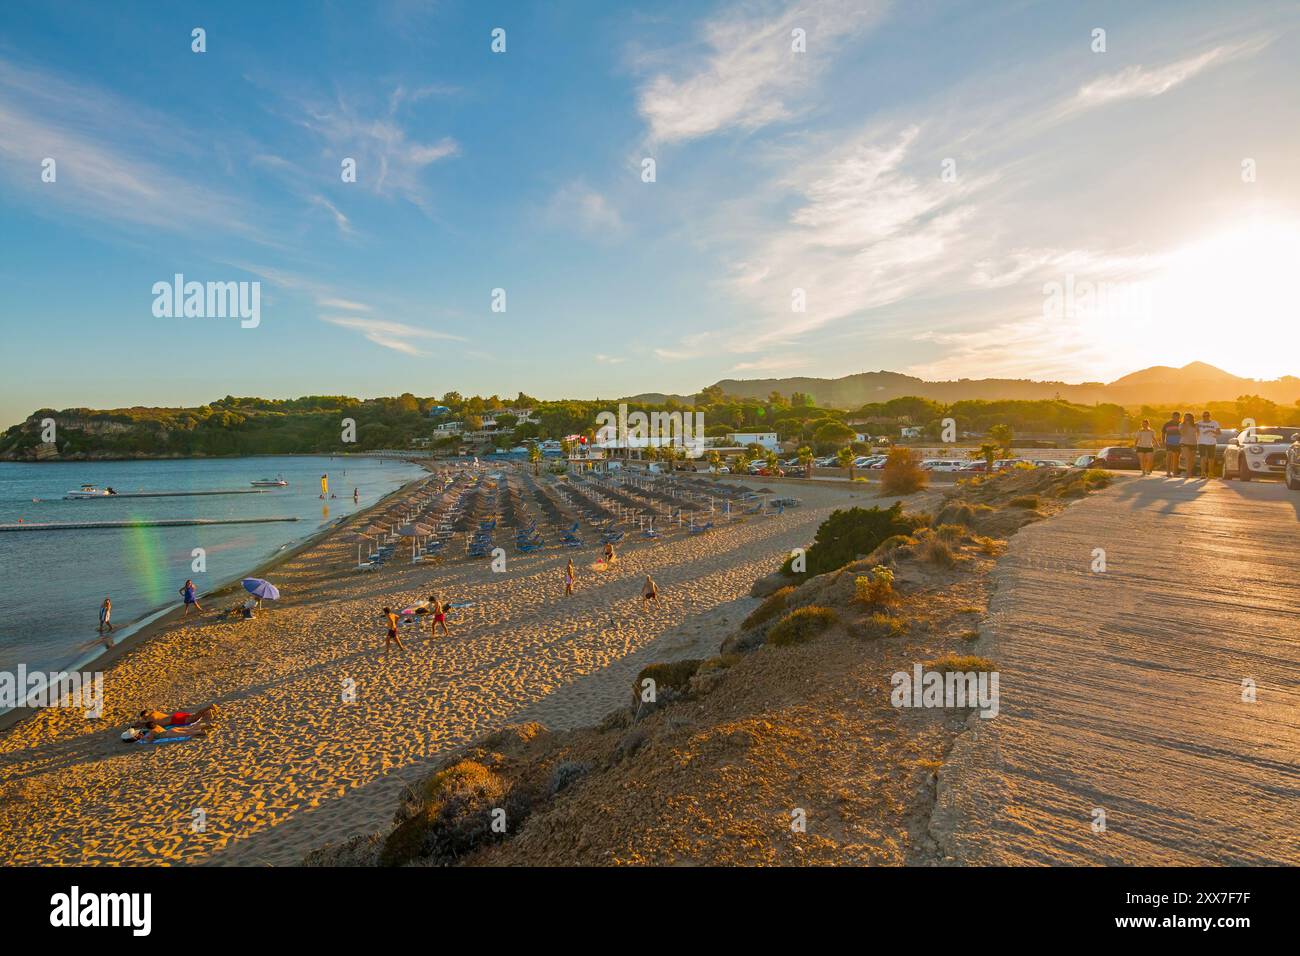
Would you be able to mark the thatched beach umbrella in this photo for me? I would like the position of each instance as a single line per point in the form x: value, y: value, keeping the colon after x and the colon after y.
x: 358, y: 537
x: 413, y: 531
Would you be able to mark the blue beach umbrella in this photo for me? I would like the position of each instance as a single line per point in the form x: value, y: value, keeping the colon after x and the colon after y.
x: 262, y: 590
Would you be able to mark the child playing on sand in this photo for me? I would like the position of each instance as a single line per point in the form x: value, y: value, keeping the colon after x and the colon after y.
x: 105, y: 613
x: 568, y: 579
x: 190, y: 594
x: 392, y: 630
x: 649, y: 593
x: 609, y: 554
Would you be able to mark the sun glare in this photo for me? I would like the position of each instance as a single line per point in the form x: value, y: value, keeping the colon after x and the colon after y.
x: 1229, y: 300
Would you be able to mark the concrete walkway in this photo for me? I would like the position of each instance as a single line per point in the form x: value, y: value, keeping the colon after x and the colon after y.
x: 1122, y: 690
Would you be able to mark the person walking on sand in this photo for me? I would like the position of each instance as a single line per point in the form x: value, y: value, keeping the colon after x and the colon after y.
x: 105, y: 615
x: 190, y: 594
x: 568, y: 579
x: 392, y: 630
x: 1171, y: 434
x: 1144, y: 443
x: 649, y: 592
x: 439, y: 612
x: 1207, y: 443
x: 1187, y: 442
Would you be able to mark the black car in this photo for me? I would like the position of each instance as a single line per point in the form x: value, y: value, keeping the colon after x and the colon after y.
x: 1117, y: 458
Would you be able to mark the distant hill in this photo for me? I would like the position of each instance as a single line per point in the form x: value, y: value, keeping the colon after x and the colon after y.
x: 1193, y: 383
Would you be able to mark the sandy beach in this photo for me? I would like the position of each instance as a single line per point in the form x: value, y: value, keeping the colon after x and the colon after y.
x: 292, y: 764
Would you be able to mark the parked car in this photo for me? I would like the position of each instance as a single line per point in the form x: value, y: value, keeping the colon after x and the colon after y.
x: 1117, y: 458
x: 941, y: 464
x: 1084, y: 461
x: 978, y: 465
x: 1050, y: 463
x: 766, y: 472
x: 1259, y: 451
x: 1003, y: 464
x: 829, y: 461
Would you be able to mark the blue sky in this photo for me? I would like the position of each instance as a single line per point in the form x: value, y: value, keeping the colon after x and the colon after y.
x: 824, y: 170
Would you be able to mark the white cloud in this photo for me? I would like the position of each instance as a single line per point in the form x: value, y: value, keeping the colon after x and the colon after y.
x: 577, y: 205
x: 340, y: 220
x: 391, y: 335
x: 389, y: 161
x: 870, y: 230
x: 1138, y: 82
x: 109, y: 156
x: 331, y: 303
x: 749, y: 71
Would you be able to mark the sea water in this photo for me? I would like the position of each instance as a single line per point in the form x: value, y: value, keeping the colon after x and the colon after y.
x: 53, y: 582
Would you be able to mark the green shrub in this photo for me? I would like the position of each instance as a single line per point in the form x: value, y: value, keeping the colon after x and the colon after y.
x: 875, y: 588
x: 882, y: 625
x: 1024, y: 501
x: 902, y: 474
x: 1097, y: 478
x: 720, y: 663
x: 670, y: 675
x: 960, y: 662
x: 454, y: 816
x: 853, y: 533
x: 772, y: 605
x: 801, y: 626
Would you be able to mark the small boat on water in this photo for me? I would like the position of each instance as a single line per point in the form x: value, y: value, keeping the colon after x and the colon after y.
x: 89, y: 491
x: 276, y: 482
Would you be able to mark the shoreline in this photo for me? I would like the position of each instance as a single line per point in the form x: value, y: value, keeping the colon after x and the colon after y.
x: 282, y: 773
x: 151, y: 623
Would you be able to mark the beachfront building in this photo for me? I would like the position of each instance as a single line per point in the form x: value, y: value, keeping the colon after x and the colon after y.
x: 767, y: 440
x: 910, y: 431
x: 449, y: 428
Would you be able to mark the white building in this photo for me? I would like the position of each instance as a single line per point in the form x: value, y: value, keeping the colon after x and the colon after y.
x: 767, y: 439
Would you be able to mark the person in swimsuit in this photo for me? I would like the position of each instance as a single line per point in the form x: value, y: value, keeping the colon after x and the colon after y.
x: 154, y: 732
x: 105, y: 613
x: 179, y: 718
x: 392, y: 630
x: 1144, y: 443
x: 568, y: 579
x: 190, y: 593
x: 649, y: 592
x: 439, y: 612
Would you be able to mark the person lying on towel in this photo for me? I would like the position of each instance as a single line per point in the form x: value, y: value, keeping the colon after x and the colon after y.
x: 157, y: 732
x: 179, y: 718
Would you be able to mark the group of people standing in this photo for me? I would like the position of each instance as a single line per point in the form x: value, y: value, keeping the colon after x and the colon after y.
x: 1186, y: 442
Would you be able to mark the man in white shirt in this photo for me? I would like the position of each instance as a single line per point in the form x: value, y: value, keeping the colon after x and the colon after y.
x: 1207, y: 442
